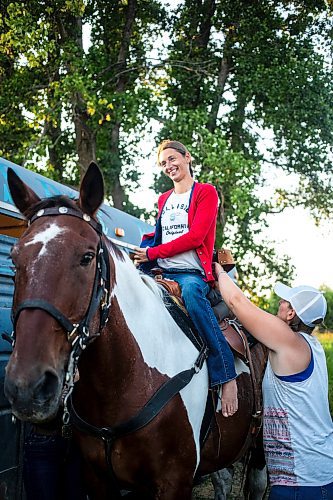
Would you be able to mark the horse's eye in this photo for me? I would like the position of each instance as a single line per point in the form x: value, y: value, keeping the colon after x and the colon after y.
x: 87, y: 258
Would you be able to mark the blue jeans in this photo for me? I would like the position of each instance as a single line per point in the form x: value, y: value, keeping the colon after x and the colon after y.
x: 221, y: 367
x: 52, y: 469
x: 302, y: 492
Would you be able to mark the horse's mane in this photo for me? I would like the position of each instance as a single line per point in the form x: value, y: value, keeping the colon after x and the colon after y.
x: 152, y: 285
x: 53, y: 201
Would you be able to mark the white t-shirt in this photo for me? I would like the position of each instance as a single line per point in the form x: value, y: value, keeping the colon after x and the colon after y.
x: 174, y: 222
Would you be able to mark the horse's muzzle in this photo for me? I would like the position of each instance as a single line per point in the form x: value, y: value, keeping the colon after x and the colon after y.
x: 37, y: 400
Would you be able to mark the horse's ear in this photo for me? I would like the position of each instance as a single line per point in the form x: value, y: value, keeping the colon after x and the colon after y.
x: 22, y: 195
x: 91, y: 190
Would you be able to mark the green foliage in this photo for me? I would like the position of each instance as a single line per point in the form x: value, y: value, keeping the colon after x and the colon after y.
x: 62, y: 106
x: 273, y: 303
x: 326, y: 339
x: 231, y: 72
x: 328, y: 293
x: 239, y: 69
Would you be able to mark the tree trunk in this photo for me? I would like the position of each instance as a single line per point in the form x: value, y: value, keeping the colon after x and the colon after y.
x: 117, y: 191
x: 224, y: 71
x: 84, y: 137
x: 222, y: 78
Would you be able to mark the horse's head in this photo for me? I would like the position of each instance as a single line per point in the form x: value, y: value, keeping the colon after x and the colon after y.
x: 55, y: 260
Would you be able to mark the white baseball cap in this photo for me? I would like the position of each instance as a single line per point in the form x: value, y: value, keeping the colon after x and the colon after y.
x: 309, y: 303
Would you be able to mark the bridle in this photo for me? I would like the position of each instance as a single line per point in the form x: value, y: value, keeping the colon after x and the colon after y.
x: 78, y: 334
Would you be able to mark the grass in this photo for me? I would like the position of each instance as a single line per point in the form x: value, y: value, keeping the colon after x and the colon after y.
x: 326, y: 340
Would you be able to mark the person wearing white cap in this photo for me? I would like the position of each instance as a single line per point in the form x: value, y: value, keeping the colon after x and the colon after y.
x: 297, y: 426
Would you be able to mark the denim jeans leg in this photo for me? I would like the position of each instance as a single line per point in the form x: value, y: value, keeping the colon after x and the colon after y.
x: 278, y: 492
x: 52, y: 469
x: 302, y: 492
x: 220, y: 361
x: 42, y: 467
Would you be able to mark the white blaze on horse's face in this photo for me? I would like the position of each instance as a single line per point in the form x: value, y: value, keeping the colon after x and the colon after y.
x: 51, y: 232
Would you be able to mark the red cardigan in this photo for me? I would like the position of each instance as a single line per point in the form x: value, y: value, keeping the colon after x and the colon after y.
x: 202, y: 216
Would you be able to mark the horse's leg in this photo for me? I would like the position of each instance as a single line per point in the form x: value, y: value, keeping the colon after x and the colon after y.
x: 174, y: 487
x: 222, y: 482
x: 256, y: 484
x: 97, y: 486
x: 256, y: 476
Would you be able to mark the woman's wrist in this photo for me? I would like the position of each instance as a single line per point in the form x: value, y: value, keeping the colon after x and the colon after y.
x: 221, y: 272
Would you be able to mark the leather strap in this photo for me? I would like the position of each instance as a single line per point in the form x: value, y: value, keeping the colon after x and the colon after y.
x: 68, y: 211
x: 257, y: 403
x: 151, y: 409
x: 45, y: 306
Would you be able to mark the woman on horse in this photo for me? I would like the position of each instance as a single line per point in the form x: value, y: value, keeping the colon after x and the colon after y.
x: 298, y: 428
x: 182, y: 246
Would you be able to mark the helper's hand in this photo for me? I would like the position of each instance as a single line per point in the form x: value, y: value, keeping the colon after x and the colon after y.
x: 140, y: 255
x: 217, y: 268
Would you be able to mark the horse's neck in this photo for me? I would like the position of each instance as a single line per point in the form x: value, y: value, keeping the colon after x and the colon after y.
x: 161, y: 341
x: 114, y: 364
x: 139, y: 348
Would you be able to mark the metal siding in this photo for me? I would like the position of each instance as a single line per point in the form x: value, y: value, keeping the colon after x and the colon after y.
x: 110, y: 217
x: 6, y: 290
x: 11, y: 430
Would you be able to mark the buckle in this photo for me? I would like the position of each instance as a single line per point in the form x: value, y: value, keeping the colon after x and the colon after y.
x: 71, y: 334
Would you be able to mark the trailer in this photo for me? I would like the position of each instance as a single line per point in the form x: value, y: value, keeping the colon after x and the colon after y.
x: 123, y: 229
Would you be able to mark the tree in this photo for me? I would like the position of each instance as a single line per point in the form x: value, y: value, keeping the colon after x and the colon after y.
x: 238, y: 69
x: 328, y: 293
x: 70, y: 105
x: 233, y: 72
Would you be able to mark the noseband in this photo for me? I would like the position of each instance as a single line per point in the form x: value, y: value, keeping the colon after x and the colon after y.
x: 78, y: 334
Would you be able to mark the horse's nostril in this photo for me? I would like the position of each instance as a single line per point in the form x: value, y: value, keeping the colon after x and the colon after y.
x: 47, y: 386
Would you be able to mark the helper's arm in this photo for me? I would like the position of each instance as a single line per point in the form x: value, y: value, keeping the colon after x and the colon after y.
x: 272, y: 331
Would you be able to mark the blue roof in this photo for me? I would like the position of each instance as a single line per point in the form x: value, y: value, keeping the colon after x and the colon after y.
x: 109, y: 217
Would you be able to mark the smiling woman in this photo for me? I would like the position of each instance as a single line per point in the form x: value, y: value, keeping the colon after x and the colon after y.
x: 175, y: 155
x: 182, y: 246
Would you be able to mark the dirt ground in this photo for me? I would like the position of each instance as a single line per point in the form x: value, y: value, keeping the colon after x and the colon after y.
x: 205, y: 491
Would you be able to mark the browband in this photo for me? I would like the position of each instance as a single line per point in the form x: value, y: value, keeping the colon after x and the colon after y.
x: 68, y: 211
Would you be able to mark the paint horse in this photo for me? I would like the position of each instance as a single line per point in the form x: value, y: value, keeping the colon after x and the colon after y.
x: 79, y: 300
